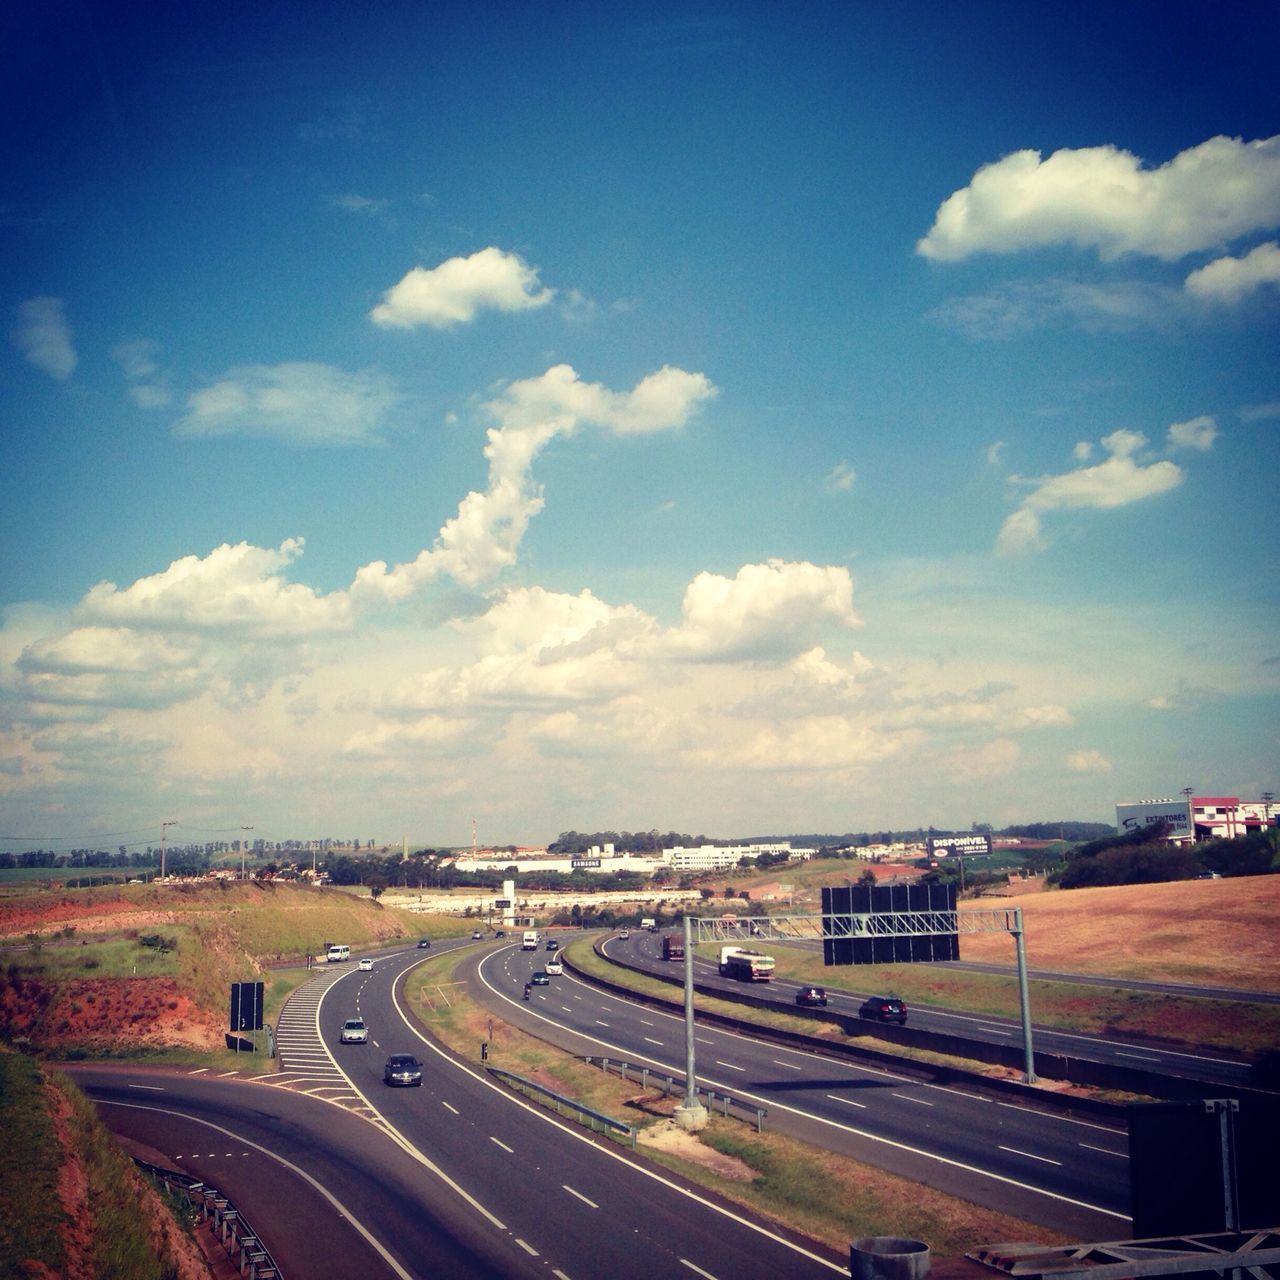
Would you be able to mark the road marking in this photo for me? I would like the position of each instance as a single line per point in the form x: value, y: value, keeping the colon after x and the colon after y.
x: 601, y: 1024
x: 1146, y: 1057
x: 906, y: 1097
x: 199, y: 1071
x: 155, y: 1088
x: 1013, y: 1151
x: 1000, y: 1031
x: 580, y: 1196
x: 509, y: 1150
x: 848, y: 1102
x: 698, y: 1270
x: 528, y: 1248
x: 1122, y: 1155
x: 644, y: 1022
x: 452, y: 1108
x: 651, y: 1040
x: 790, y: 1066
x: 730, y: 1065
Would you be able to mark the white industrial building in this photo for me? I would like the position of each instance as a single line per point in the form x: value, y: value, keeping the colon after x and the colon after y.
x: 1199, y: 817
x: 723, y: 857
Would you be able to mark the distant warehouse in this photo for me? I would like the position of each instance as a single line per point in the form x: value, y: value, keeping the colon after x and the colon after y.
x: 1199, y: 817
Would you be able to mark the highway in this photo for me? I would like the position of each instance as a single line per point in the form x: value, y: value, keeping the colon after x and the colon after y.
x: 644, y: 951
x: 1063, y: 1173
x: 457, y: 1177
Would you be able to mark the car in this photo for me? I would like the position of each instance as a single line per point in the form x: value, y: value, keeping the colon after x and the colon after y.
x: 554, y: 966
x: 499, y: 933
x: 423, y: 943
x: 884, y: 1009
x: 365, y: 965
x: 402, y: 1068
x: 354, y: 1032
x: 552, y: 945
x: 812, y: 997
x: 476, y: 935
x: 541, y: 978
x: 625, y: 934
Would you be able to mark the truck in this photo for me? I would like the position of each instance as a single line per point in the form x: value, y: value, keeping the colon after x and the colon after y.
x: 648, y: 922
x: 337, y: 951
x: 673, y: 947
x: 747, y: 965
x: 530, y: 940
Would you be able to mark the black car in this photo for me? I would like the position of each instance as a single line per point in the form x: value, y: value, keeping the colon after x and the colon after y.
x: 423, y: 943
x: 541, y: 978
x: 402, y: 1068
x: 499, y: 933
x: 811, y: 997
x: 884, y: 1009
x: 552, y: 945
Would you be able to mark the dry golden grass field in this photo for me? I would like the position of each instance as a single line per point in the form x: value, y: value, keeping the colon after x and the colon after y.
x: 1211, y: 932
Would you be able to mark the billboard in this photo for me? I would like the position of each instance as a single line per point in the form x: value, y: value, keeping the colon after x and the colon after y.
x: 958, y: 846
x: 855, y: 900
x: 1129, y: 817
x: 246, y: 1006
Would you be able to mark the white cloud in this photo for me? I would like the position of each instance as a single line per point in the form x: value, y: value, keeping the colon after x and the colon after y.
x: 1083, y: 450
x: 995, y: 453
x: 485, y: 535
x: 237, y: 590
x: 1088, y: 761
x: 148, y: 383
x: 1116, y: 482
x: 1104, y: 198
x: 1198, y: 433
x: 454, y: 291
x: 1260, y: 412
x: 980, y: 763
x: 299, y: 403
x: 44, y: 337
x: 768, y: 611
x: 840, y: 479
x: 1228, y: 280
x: 349, y: 202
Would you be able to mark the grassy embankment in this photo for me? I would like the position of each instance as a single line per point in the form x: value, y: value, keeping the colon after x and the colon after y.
x: 829, y: 1198
x: 72, y: 1201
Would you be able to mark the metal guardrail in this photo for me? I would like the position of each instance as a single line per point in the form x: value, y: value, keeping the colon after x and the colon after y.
x: 607, y: 1124
x: 645, y: 1076
x: 238, y: 1238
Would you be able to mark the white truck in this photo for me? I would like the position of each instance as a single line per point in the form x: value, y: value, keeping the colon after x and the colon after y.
x: 338, y: 951
x: 749, y: 966
x: 530, y: 941
x: 649, y: 923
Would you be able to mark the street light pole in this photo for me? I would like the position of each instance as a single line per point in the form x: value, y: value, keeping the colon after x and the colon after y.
x: 244, y: 849
x: 164, y: 830
x: 1187, y: 793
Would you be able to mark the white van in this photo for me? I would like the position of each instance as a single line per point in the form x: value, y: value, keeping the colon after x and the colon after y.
x: 530, y: 942
x: 338, y: 952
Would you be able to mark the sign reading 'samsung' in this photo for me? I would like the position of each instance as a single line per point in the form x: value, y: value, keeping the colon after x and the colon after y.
x: 1146, y: 813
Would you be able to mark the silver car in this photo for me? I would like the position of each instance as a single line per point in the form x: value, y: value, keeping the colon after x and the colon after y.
x: 354, y: 1032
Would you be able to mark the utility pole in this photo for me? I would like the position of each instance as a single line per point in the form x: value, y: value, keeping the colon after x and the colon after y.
x: 164, y: 830
x: 1187, y: 793
x: 244, y: 850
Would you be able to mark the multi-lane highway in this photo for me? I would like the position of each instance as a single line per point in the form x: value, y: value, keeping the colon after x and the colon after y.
x: 457, y: 1177
x: 643, y: 950
x: 1068, y: 1174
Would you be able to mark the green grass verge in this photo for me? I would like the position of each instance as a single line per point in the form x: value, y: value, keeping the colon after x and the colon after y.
x: 32, y: 1213
x: 827, y: 1197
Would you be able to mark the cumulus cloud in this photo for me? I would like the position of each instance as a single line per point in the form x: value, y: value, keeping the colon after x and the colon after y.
x: 1116, y: 482
x: 1228, y: 280
x: 1088, y: 761
x: 1105, y: 198
x: 485, y: 535
x: 43, y: 336
x: 840, y: 479
x: 237, y: 590
x: 299, y: 403
x: 453, y: 292
x: 1197, y: 433
x: 768, y: 611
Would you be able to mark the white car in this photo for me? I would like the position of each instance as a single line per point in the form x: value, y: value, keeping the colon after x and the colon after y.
x: 554, y: 966
x: 365, y: 965
x: 354, y: 1032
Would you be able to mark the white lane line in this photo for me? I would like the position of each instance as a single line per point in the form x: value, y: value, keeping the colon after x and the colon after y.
x: 564, y: 1008
x: 509, y: 1150
x: 651, y: 1040
x: 450, y: 1106
x: 1146, y: 1057
x: 999, y: 1031
x: 199, y: 1071
x: 790, y: 1066
x: 646, y: 1023
x: 1030, y: 1155
x: 906, y: 1097
x: 155, y: 1088
x: 528, y: 1248
x: 601, y: 1024
x: 730, y: 1065
x: 848, y: 1102
x: 1122, y: 1155
x: 696, y: 1270
x: 579, y: 1194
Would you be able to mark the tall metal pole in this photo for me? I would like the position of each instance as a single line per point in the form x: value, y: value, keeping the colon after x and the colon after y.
x: 164, y: 831
x: 690, y: 1114
x: 1024, y: 998
x: 244, y: 850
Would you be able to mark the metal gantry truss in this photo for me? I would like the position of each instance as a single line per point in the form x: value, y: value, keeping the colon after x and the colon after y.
x: 869, y: 924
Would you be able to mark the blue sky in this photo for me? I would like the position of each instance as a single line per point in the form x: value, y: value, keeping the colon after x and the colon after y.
x: 735, y: 419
